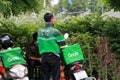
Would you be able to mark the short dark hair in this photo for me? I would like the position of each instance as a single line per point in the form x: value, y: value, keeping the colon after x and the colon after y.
x: 48, y: 17
x: 35, y: 36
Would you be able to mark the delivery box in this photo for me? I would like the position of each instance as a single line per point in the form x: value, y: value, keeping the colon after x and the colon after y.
x: 72, y: 53
x: 11, y: 57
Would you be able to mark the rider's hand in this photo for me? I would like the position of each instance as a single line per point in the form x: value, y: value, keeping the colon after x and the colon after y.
x: 63, y: 46
x: 39, y: 59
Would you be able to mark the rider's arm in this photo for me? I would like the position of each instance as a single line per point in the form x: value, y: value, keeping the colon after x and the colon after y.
x: 59, y: 38
x: 34, y: 58
x: 29, y: 53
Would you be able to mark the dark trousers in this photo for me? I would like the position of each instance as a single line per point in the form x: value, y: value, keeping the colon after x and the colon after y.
x: 50, y: 66
x: 31, y: 66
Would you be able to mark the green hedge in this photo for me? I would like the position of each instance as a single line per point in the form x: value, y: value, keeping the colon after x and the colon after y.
x: 96, y: 25
x: 82, y: 30
x: 21, y: 33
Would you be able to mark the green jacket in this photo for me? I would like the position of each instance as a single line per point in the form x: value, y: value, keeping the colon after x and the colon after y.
x: 50, y: 39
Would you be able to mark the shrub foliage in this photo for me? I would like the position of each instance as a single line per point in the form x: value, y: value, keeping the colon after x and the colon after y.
x: 83, y: 30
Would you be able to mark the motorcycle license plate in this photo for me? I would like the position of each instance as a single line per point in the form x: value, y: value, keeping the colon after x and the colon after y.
x: 80, y: 75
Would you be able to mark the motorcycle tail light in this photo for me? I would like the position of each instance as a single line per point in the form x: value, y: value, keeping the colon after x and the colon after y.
x: 2, y: 70
x: 77, y: 68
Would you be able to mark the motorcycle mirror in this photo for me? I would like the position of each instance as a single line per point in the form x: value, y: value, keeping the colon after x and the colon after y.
x: 66, y: 35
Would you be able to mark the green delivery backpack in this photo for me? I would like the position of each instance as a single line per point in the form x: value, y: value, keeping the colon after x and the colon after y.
x: 72, y: 53
x: 11, y: 57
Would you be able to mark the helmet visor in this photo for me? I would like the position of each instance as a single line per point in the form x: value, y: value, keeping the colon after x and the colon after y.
x: 5, y: 38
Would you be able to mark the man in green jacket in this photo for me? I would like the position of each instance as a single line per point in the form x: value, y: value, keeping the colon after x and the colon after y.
x: 49, y: 42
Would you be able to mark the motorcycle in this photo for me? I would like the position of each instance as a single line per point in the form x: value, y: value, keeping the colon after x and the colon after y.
x: 18, y: 72
x: 14, y: 64
x: 73, y: 58
x: 2, y: 73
